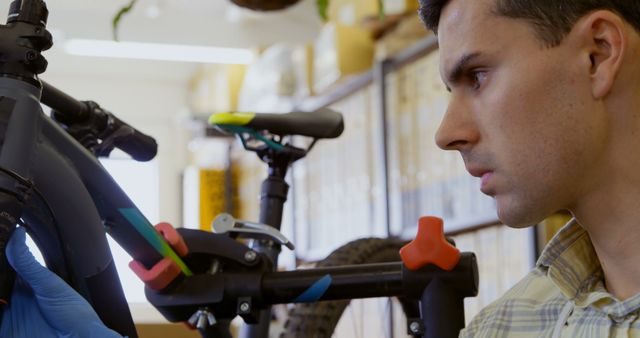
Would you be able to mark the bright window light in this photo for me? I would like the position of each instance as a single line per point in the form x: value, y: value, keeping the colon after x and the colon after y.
x: 156, y: 51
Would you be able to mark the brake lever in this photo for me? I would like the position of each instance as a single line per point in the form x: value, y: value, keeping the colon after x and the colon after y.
x: 225, y: 223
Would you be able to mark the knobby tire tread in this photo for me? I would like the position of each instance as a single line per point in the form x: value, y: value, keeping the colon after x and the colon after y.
x: 318, y: 320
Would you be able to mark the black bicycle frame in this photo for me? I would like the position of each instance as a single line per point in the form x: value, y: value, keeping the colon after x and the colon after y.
x: 81, y: 201
x: 59, y: 190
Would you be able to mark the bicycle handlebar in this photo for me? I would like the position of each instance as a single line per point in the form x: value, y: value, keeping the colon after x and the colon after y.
x: 140, y: 146
x: 70, y: 109
x: 100, y: 122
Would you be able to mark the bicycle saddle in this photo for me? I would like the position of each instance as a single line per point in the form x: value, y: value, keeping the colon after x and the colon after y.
x: 323, y: 123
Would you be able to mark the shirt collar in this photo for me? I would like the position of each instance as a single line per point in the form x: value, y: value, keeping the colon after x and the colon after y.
x: 571, y: 262
x: 572, y: 265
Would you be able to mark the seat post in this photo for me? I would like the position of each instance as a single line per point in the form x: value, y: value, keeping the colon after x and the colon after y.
x: 272, y: 198
x: 274, y: 192
x: 273, y: 195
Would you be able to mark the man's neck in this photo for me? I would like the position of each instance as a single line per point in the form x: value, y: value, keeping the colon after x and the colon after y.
x: 609, y: 208
x: 612, y: 218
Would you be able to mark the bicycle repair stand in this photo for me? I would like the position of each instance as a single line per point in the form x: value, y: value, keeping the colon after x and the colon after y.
x: 231, y: 279
x: 244, y: 283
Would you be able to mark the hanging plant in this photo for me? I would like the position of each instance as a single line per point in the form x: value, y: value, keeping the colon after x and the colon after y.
x: 323, y: 8
x: 116, y: 19
x: 265, y: 5
x: 258, y: 5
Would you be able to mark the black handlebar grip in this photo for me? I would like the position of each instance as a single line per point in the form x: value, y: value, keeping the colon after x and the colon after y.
x: 140, y: 146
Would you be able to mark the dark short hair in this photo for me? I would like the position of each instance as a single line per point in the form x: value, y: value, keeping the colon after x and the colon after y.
x: 551, y: 19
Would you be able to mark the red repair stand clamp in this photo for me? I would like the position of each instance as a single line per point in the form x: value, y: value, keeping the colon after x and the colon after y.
x: 444, y: 278
x: 430, y: 247
x: 166, y: 270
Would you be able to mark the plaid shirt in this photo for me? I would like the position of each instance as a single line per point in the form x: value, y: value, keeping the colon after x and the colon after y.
x: 564, y: 296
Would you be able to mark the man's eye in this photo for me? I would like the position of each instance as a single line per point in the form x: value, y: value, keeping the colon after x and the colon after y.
x: 477, y: 78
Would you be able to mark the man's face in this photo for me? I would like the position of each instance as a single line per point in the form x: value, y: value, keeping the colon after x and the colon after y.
x: 521, y: 115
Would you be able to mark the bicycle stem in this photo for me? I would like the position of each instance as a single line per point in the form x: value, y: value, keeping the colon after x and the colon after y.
x: 23, y: 39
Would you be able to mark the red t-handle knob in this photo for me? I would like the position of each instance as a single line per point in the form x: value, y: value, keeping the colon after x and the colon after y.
x: 430, y: 247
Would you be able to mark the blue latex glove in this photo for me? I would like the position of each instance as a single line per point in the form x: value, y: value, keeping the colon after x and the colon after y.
x: 42, y: 304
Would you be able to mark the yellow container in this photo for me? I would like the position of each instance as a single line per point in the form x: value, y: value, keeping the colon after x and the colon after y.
x: 303, y: 63
x: 354, y: 12
x: 394, y: 7
x: 340, y: 51
x: 216, y: 88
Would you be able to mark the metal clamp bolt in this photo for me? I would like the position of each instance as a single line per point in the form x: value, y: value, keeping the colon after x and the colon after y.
x: 202, y: 318
x: 250, y: 256
x: 415, y: 328
x: 245, y: 307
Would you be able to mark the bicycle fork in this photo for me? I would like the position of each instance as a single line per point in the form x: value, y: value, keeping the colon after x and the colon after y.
x: 11, y: 205
x: 22, y: 40
x: 19, y: 109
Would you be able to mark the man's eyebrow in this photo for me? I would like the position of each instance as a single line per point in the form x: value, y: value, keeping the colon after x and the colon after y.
x: 459, y: 68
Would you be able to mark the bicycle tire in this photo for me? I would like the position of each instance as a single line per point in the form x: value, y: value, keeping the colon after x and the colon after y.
x: 319, y: 320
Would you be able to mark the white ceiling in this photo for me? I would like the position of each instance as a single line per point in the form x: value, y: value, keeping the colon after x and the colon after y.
x: 206, y: 22
x: 200, y: 22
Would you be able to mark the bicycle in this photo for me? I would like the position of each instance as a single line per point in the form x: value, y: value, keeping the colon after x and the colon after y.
x: 52, y: 184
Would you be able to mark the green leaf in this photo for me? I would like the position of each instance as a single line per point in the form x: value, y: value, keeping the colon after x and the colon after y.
x: 381, y: 15
x: 116, y: 19
x: 323, y: 7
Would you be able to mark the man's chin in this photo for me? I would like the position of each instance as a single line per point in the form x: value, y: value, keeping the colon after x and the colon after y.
x: 517, y: 217
x: 518, y: 225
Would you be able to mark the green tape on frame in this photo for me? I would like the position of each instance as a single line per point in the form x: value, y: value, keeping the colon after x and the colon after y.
x: 147, y: 231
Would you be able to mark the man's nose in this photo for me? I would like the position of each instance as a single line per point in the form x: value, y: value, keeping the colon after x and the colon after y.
x: 458, y: 129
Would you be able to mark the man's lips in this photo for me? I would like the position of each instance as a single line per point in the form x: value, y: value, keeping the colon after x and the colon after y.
x: 478, y: 172
x: 484, y: 175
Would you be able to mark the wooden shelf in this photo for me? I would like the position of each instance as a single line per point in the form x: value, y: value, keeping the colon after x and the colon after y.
x: 337, y: 93
x: 358, y: 82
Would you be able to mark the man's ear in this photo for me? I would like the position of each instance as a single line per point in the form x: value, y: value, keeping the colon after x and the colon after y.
x: 603, y: 34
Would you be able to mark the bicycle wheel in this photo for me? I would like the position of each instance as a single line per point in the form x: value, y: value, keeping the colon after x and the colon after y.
x: 319, y: 320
